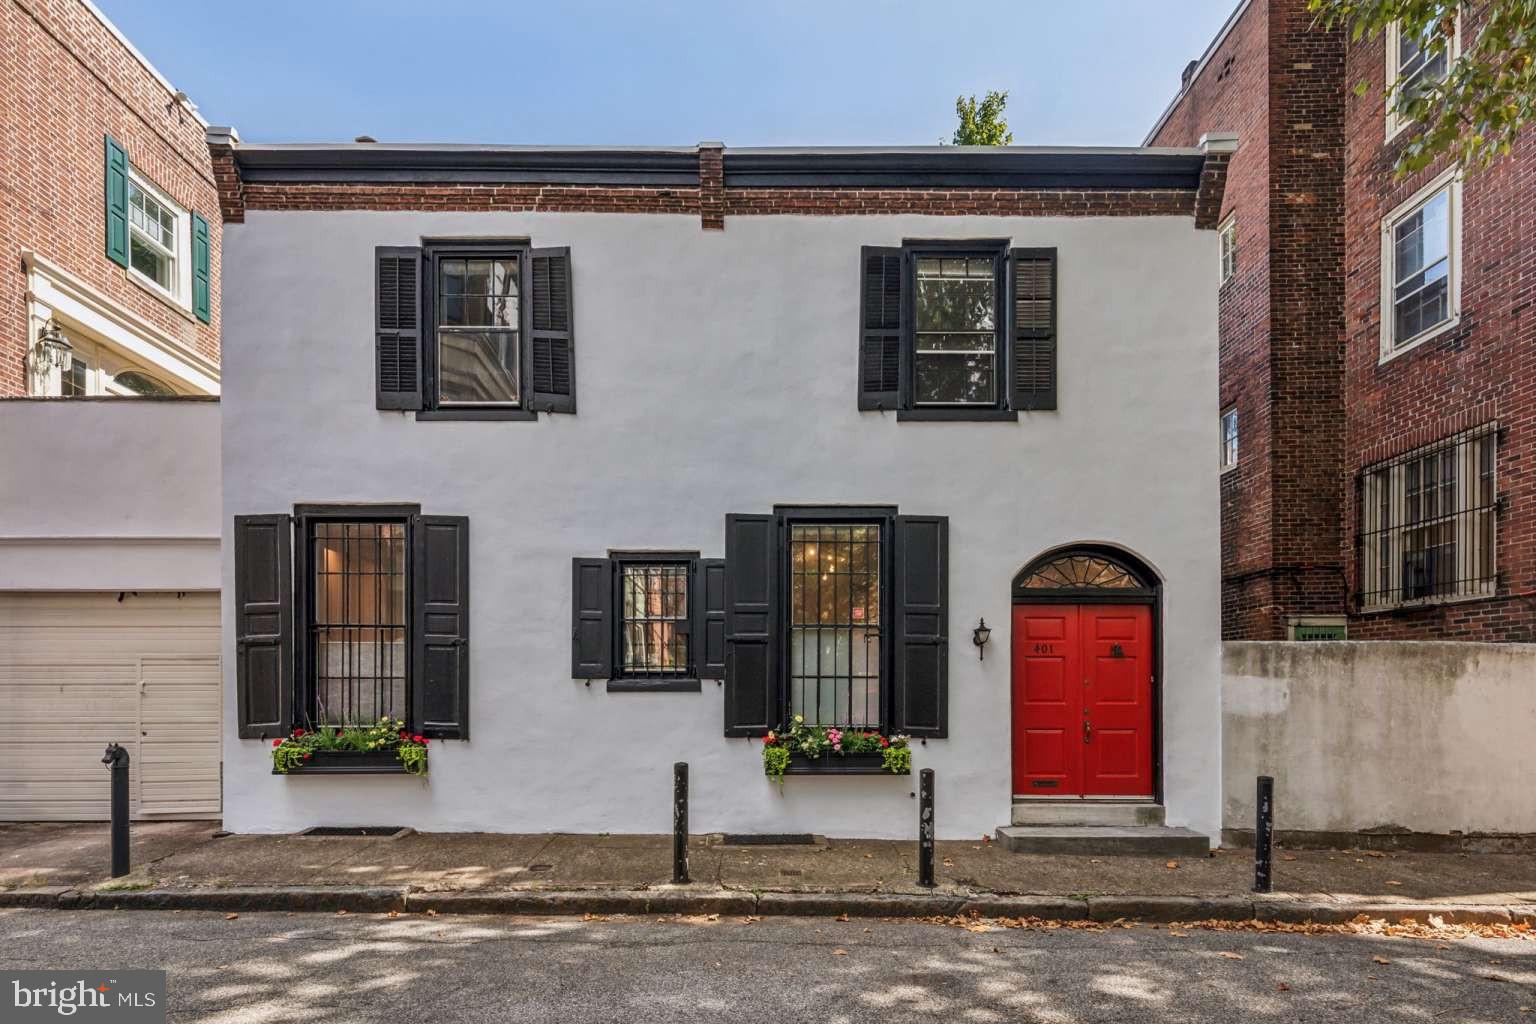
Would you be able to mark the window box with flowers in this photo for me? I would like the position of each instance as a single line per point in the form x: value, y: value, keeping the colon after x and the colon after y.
x: 802, y: 749
x: 385, y: 748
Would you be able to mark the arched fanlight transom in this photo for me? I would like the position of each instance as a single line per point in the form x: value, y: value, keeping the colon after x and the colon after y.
x: 1080, y: 570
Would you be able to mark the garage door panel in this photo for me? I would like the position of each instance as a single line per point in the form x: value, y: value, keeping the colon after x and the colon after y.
x: 80, y: 671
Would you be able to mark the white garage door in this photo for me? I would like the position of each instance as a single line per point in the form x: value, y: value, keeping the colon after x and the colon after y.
x: 81, y: 670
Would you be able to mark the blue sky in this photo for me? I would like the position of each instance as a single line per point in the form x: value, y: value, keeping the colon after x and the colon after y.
x: 1089, y: 72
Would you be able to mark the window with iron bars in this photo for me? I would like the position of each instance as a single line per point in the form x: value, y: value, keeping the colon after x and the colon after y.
x: 1428, y: 524
x: 653, y: 617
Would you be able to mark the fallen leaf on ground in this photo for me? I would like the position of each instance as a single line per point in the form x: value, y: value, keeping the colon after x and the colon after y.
x: 1526, y: 1009
x: 1492, y: 977
x: 1172, y: 865
x: 750, y: 919
x: 1380, y: 960
x: 393, y: 913
x: 839, y: 952
x: 1282, y: 987
x: 230, y: 917
x: 1393, y: 882
x: 1178, y: 935
x: 341, y: 913
x: 1225, y: 955
x: 1287, y: 856
x: 431, y: 913
x: 841, y: 917
x: 1371, y: 977
x: 1374, y: 853
x: 948, y: 863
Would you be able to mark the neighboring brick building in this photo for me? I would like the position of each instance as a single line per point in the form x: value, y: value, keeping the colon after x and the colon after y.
x: 1382, y: 476
x: 109, y: 223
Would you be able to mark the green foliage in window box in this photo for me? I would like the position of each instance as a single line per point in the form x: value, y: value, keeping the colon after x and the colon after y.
x: 386, y: 736
x: 817, y: 741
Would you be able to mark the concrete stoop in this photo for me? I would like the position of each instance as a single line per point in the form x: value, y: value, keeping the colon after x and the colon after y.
x: 1087, y: 812
x: 1105, y: 840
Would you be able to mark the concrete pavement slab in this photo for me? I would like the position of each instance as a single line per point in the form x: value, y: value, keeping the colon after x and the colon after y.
x: 79, y: 853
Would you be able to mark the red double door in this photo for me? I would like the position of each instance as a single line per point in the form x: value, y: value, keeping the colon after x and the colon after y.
x: 1082, y: 700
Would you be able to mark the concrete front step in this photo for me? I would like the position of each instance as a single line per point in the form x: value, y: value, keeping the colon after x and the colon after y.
x: 1087, y: 812
x: 1144, y: 840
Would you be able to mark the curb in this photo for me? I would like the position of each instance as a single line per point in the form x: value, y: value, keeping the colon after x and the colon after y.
x: 712, y: 900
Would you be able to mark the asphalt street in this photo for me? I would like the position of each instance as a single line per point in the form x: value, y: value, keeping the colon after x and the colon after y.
x: 318, y: 969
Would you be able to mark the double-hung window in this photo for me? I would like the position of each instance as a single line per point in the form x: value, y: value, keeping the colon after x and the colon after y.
x: 478, y: 320
x: 1421, y: 266
x: 474, y: 330
x: 1415, y: 62
x: 836, y: 658
x: 1229, y: 438
x: 957, y: 329
x: 158, y: 238
x: 1228, y: 242
x: 654, y: 618
x: 1428, y: 522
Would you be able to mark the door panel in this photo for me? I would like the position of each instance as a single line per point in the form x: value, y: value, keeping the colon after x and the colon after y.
x: 1082, y: 700
x: 1117, y: 699
x: 1046, y: 701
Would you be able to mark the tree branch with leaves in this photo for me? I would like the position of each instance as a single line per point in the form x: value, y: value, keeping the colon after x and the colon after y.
x: 1487, y: 96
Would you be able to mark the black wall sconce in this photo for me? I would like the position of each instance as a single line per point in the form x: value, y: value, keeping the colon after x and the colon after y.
x: 979, y: 636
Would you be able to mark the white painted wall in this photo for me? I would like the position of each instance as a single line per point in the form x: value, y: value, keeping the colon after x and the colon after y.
x: 1431, y: 737
x: 716, y: 373
x: 116, y: 494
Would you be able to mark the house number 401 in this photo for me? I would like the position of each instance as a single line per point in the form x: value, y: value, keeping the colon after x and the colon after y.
x: 1045, y: 648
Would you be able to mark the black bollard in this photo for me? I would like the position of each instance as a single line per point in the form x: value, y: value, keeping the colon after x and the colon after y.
x: 925, y: 827
x: 680, y: 823
x: 117, y: 758
x: 1264, y: 837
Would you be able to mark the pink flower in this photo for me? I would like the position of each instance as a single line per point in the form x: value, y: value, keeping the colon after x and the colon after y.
x: 277, y: 743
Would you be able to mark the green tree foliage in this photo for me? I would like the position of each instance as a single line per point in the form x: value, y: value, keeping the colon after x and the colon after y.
x: 982, y: 124
x: 1488, y: 93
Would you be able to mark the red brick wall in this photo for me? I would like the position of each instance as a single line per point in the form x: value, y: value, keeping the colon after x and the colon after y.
x: 1230, y: 94
x: 1483, y: 370
x: 66, y: 81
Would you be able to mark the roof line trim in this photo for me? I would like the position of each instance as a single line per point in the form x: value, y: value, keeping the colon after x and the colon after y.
x: 1210, y: 51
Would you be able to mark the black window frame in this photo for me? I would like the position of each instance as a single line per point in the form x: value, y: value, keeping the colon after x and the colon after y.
x: 433, y: 252
x: 304, y: 518
x: 883, y: 516
x: 995, y: 249
x: 686, y: 682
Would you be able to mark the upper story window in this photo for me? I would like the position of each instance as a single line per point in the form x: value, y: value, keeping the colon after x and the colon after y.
x: 474, y: 330
x: 957, y: 329
x: 1229, y: 438
x: 1421, y: 279
x: 158, y: 237
x: 1414, y: 63
x: 1228, y: 237
x: 478, y: 325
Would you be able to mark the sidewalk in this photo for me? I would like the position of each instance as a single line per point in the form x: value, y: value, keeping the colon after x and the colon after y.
x: 183, y: 865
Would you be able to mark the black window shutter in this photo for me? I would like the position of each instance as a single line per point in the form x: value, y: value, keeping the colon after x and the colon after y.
x: 1034, y: 328
x: 922, y: 626
x: 591, y: 618
x: 397, y: 327
x: 264, y: 625
x: 751, y: 624
x: 552, y: 344
x: 709, y: 618
x: 883, y: 305
x: 440, y: 666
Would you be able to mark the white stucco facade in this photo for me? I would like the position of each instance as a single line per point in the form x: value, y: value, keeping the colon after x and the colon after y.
x: 716, y: 373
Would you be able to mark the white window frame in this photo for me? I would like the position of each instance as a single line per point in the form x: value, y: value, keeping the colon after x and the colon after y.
x: 1449, y: 180
x: 180, y: 291
x: 1393, y: 35
x: 1229, y: 463
x: 1226, y: 235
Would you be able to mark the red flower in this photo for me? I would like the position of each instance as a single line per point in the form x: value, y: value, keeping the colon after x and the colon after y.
x: 417, y: 739
x: 277, y: 743
x: 308, y: 756
x: 402, y: 734
x: 884, y: 742
x: 425, y: 742
x: 297, y: 733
